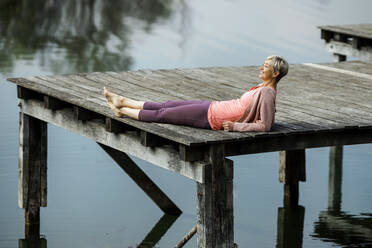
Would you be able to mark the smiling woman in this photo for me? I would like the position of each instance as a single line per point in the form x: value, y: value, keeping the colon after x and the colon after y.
x: 253, y: 111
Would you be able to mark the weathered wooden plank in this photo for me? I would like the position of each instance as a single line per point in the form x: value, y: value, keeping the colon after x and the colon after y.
x: 300, y: 140
x: 100, y: 107
x: 24, y: 93
x: 342, y: 100
x: 215, y: 226
x: 363, y: 67
x: 359, y: 30
x: 142, y: 180
x: 166, y: 157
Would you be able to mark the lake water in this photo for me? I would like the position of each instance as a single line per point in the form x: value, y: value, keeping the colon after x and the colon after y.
x: 91, y: 201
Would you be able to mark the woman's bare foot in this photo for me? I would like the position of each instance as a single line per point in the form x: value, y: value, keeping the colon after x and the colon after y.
x: 115, y: 110
x: 114, y: 99
x: 121, y: 101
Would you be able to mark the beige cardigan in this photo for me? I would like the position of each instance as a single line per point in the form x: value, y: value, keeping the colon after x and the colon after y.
x: 260, y: 113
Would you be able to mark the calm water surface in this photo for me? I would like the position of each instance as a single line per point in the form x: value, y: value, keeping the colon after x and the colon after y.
x: 91, y: 202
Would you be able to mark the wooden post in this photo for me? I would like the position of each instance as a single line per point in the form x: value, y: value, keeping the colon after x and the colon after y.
x: 215, y: 226
x: 335, y: 179
x: 32, y: 191
x: 290, y: 226
x: 291, y: 171
x: 339, y: 57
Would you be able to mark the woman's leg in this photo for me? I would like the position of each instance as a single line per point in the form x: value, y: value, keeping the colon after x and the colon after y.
x: 195, y: 115
x: 169, y: 104
x: 121, y: 101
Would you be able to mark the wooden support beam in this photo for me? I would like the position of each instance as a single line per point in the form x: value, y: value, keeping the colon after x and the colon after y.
x: 326, y: 35
x: 339, y: 37
x: 151, y: 140
x: 142, y: 180
x: 335, y: 179
x: 290, y: 226
x: 339, y: 57
x: 158, y: 231
x: 114, y: 126
x: 25, y: 94
x: 301, y: 141
x: 166, y: 157
x: 356, y: 43
x: 83, y: 114
x: 32, y: 181
x: 215, y: 202
x: 53, y: 103
x: 192, y: 153
x: 291, y: 171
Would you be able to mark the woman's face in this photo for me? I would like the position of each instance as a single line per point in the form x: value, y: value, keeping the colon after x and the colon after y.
x: 267, y: 71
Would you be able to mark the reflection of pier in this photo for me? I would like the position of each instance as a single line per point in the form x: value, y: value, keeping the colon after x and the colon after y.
x: 34, y: 240
x: 337, y: 226
x: 290, y: 226
x: 344, y: 229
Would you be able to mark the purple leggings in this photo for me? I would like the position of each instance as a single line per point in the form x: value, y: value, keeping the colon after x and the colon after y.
x: 191, y: 113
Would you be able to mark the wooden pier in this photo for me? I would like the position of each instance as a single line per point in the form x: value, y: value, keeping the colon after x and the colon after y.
x: 317, y: 105
x: 348, y: 40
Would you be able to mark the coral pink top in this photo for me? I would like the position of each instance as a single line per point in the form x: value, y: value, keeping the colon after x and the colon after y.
x: 231, y: 110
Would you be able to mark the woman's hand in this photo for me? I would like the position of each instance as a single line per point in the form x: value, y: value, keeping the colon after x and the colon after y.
x: 228, y: 126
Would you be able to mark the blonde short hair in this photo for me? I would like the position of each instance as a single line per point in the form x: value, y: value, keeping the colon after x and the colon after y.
x: 280, y: 65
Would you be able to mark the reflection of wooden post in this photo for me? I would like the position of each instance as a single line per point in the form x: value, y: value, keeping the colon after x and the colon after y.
x: 291, y: 171
x: 143, y: 181
x: 290, y: 227
x: 32, y: 243
x: 215, y: 227
x: 32, y: 191
x: 335, y: 178
x: 158, y: 231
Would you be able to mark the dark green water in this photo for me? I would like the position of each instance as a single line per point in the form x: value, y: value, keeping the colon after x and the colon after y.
x: 91, y: 202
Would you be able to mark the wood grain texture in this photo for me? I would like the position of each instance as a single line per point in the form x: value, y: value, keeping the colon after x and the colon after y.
x: 166, y: 157
x: 359, y: 30
x: 215, y: 226
x: 309, y: 99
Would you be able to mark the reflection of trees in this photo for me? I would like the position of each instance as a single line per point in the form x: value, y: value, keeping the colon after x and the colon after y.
x: 90, y: 35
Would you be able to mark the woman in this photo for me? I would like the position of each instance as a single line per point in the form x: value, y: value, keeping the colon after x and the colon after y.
x: 253, y: 111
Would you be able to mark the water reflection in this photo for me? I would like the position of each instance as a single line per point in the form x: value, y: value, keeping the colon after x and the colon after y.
x: 290, y: 226
x: 83, y: 36
x: 344, y: 229
x: 335, y: 225
x: 33, y: 239
x: 32, y: 243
